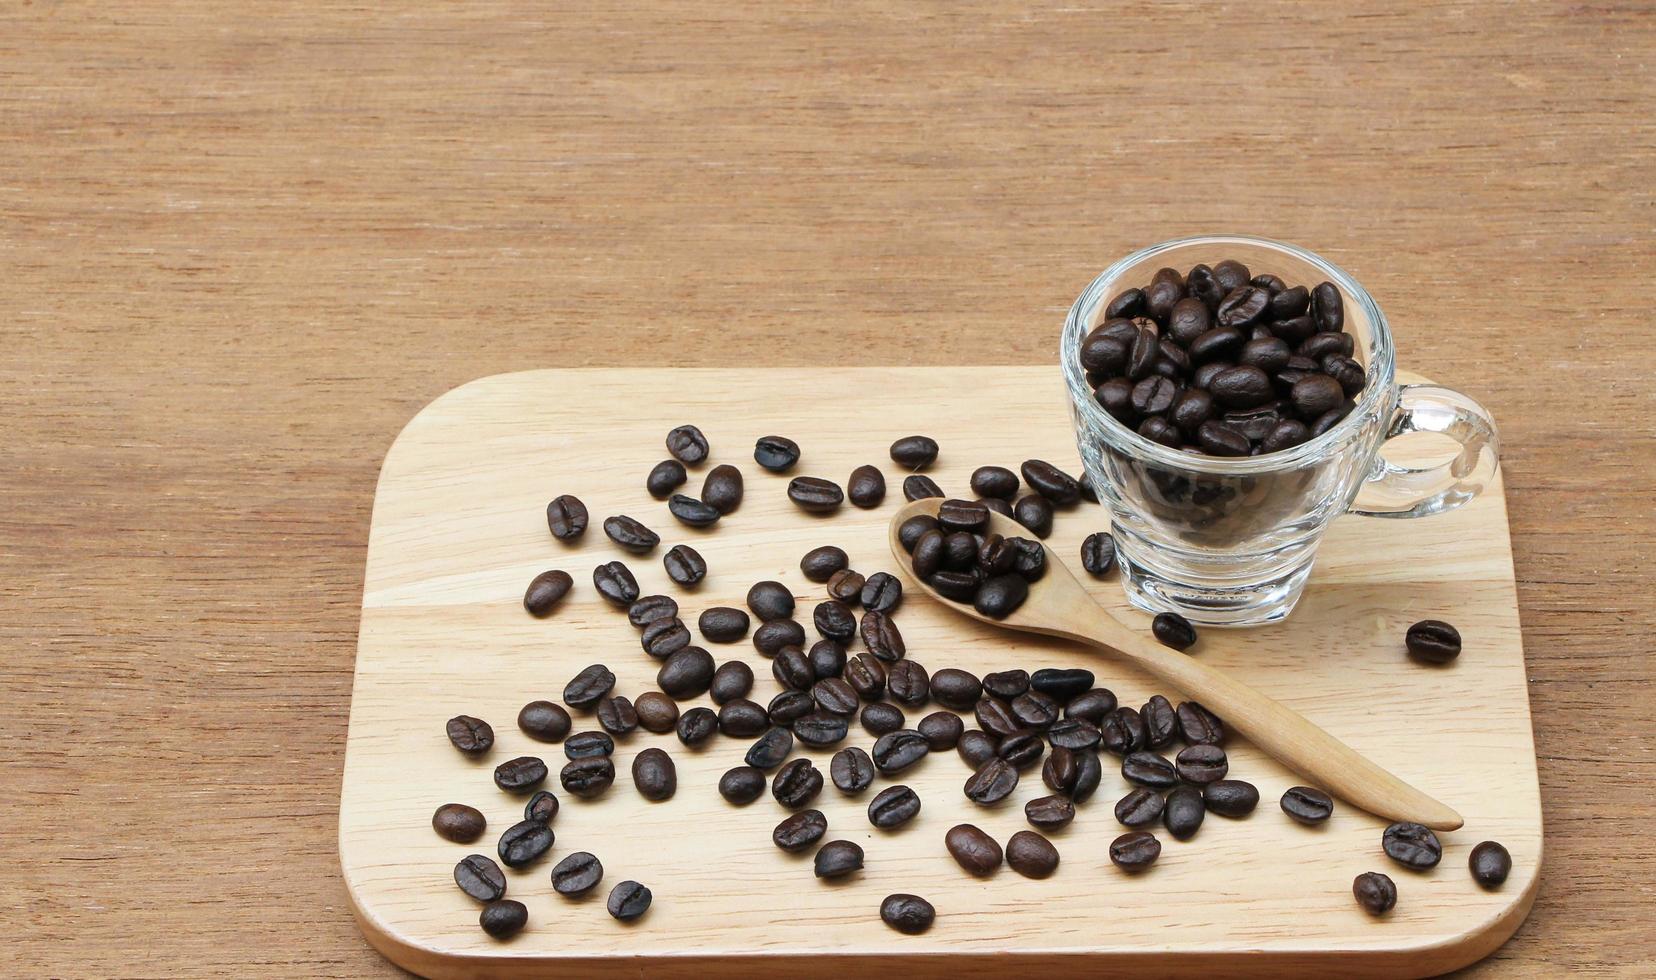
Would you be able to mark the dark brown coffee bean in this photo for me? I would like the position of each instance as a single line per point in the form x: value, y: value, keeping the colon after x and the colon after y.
x: 617, y: 715
x: 656, y: 712
x: 577, y: 874
x: 692, y: 512
x: 1221, y: 344
x: 722, y: 624
x: 1490, y: 864
x: 1205, y: 287
x: 686, y: 674
x: 1022, y: 749
x: 1089, y: 773
x: 776, y: 453
x: 630, y: 535
x: 994, y: 781
x: 941, y: 730
x: 789, y: 707
x: 883, y: 639
x: 667, y: 476
x: 722, y: 490
x: 1051, y: 482
x: 893, y: 806
x: 742, y: 785
x: 815, y: 495
x: 1199, y: 726
x: 664, y: 637
x: 1115, y: 396
x: 588, y: 777
x: 1152, y: 396
x: 908, y: 683
x: 882, y: 592
x: 1307, y: 805
x: 655, y: 775
x: 792, y: 669
x: 955, y: 688
x: 1288, y: 302
x: 503, y: 918
x: 1059, y: 770
x: 566, y: 517
x: 1284, y: 435
x: 866, y: 675
x: 1193, y: 407
x: 1173, y: 630
x: 1135, y: 851
x: 687, y: 444
x: 994, y: 481
x: 1327, y: 307
x: 628, y: 901
x: 908, y: 914
x: 819, y: 564
x: 544, y: 721
x: 1161, y: 723
x: 1006, y: 684
x: 1184, y: 812
x: 1159, y: 430
x: 771, y: 750
x: 586, y: 745
x: 1375, y: 892
x: 480, y: 878
x: 1268, y: 354
x: 879, y: 718
x: 772, y: 637
x: 741, y: 718
x: 684, y: 565
x: 996, y: 556
x: 835, y: 620
x: 929, y: 553
x: 545, y: 591
x: 919, y: 487
x: 846, y: 585
x: 1090, y: 706
x: 1035, y: 513
x: 1122, y: 731
x: 589, y: 686
x: 1188, y: 320
x: 960, y: 552
x: 1219, y: 439
x: 1412, y: 845
x: 615, y: 582
x: 1033, y: 709
x: 459, y: 823
x: 800, y: 831
x: 1231, y: 275
x: 976, y: 747
x: 995, y: 717
x: 1347, y: 372
x: 696, y: 726
x: 1230, y: 797
x: 837, y: 859
x: 914, y: 452
x: 1073, y: 734
x: 1242, y: 306
x: 1031, y: 855
x: 851, y: 770
x: 1127, y: 303
x: 1433, y: 641
x: 835, y: 696
x: 1140, y: 808
x: 898, y: 750
x: 1243, y: 386
x: 1144, y: 352
x: 911, y: 530
x: 732, y: 680
x: 1330, y: 419
x: 975, y: 851
x: 1202, y: 764
x: 1204, y: 375
x: 1001, y: 596
x: 770, y: 600
x: 821, y: 729
x: 796, y: 784
x: 543, y: 806
x: 524, y: 843
x: 866, y: 488
x: 650, y: 608
x: 1149, y: 770
x: 1049, y: 812
x: 1315, y: 395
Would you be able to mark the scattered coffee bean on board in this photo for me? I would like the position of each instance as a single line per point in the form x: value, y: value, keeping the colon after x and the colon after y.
x: 1375, y: 892
x: 566, y: 517
x: 520, y: 775
x: 1184, y: 812
x: 655, y: 775
x: 1307, y: 805
x: 893, y: 806
x: 1412, y: 845
x: 815, y: 495
x: 919, y: 487
x: 1140, y: 808
x: 722, y: 624
x: 770, y: 600
x: 1031, y: 855
x: 742, y: 785
x: 543, y: 806
x: 628, y: 900
x: 586, y: 745
x: 820, y: 563
x: 838, y: 858
x: 1098, y: 555
x: 776, y: 453
x: 800, y: 831
x: 472, y: 736
x: 1433, y: 641
x: 458, y: 822
x: 733, y: 679
x: 589, y: 686
x: 691, y: 512
x: 851, y: 770
x: 696, y: 726
x: 914, y: 452
x: 588, y: 777
x: 1049, y: 812
x: 866, y: 488
x: 545, y: 591
x: 667, y: 476
x: 1230, y: 797
x: 1173, y: 630
x: 688, y: 445
x: 684, y: 565
x: 630, y: 535
x: 1034, y: 512
x: 503, y: 918
x: 909, y: 914
x: 796, y: 784
x: 524, y: 843
x: 1135, y: 851
x: 997, y: 482
x: 722, y: 490
x: 480, y: 878
x: 649, y: 608
x: 614, y: 581
x: 577, y: 874
x: 1051, y: 482
x: 1490, y: 864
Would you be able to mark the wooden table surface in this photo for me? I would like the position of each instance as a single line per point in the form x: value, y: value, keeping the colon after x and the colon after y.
x: 241, y: 244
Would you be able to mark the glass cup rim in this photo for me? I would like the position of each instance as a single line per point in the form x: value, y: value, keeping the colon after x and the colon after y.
x: 1090, y: 410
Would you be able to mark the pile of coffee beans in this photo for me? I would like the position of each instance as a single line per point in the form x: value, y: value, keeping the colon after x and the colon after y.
x: 1224, y: 362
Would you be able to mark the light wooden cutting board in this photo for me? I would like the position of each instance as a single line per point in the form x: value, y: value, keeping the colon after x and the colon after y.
x: 459, y: 530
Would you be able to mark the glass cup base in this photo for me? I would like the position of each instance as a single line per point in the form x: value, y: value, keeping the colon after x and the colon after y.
x: 1203, y: 593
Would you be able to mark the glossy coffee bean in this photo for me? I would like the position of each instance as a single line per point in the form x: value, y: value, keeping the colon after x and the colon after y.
x: 617, y: 716
x: 1490, y: 864
x: 1091, y: 705
x: 543, y: 806
x: 796, y: 784
x: 993, y: 782
x: 1375, y: 892
x: 1098, y: 554
x: 959, y: 586
x: 589, y: 686
x: 1140, y: 808
x: 692, y: 512
x: 882, y: 592
x: 1433, y: 641
x: 742, y: 785
x: 1135, y: 851
x: 880, y: 718
x: 1219, y: 439
x: 898, y: 750
x: 995, y: 717
x: 1049, y: 812
x: 655, y: 775
x: 472, y: 736
x: 1202, y: 764
x: 834, y: 620
x: 1127, y: 303
x: 1243, y: 306
x: 975, y: 851
x: 684, y: 565
x: 919, y: 487
x: 1001, y: 596
x: 480, y: 878
x: 1059, y: 770
x: 819, y: 564
x: 586, y: 745
x: 1198, y: 725
x: 566, y: 517
x: 955, y: 688
x: 1149, y: 770
x: 733, y: 679
x: 1184, y: 812
x: 994, y: 481
x: 667, y: 476
x: 458, y: 822
x: 628, y: 901
x: 770, y: 600
x: 866, y: 675
x: 792, y: 669
x: 777, y: 635
x: 1412, y: 845
x: 776, y: 453
x: 846, y: 585
x: 503, y: 918
x: 722, y: 624
x: 1307, y: 805
x: 1006, y: 684
x: 1062, y: 684
x: 914, y: 452
x: 686, y: 674
x: 1051, y: 482
x: 838, y: 858
x: 911, y: 530
x: 908, y: 683
x: 1034, y: 709
x: 1031, y: 855
x: 1122, y: 731
x: 722, y: 490
x: 821, y: 730
x: 893, y: 806
x: 664, y: 637
x: 1161, y: 722
x: 741, y: 718
x: 615, y: 582
x: 647, y: 609
x: 696, y: 726
x: 882, y: 638
x: 1230, y: 797
x: 1089, y: 773
x: 815, y: 495
x: 1327, y: 307
x: 1022, y: 749
x: 544, y: 721
x: 524, y: 843
x: 908, y: 914
x: 1035, y: 513
x: 800, y: 831
x: 1073, y: 734
x: 687, y: 444
x: 577, y: 874
x: 976, y: 747
x: 866, y: 488
x: 545, y: 591
x: 835, y: 696
x: 587, y: 777
x: 851, y: 770
x: 941, y: 730
x: 630, y: 535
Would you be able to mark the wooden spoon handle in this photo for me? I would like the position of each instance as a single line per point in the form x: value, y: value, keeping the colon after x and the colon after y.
x: 1283, y: 733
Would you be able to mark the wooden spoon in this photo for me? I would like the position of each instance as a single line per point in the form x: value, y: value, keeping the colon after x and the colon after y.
x: 1059, y: 606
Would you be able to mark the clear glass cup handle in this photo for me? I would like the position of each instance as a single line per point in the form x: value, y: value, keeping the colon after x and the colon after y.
x: 1394, y: 490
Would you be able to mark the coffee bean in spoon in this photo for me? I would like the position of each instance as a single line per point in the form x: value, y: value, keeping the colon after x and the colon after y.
x: 919, y: 487
x: 1001, y: 596
x: 866, y: 488
x: 667, y: 476
x: 914, y: 452
x: 722, y: 490
x: 815, y: 495
x: 910, y: 531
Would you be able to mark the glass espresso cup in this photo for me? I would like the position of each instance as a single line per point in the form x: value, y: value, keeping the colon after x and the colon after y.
x: 1230, y: 540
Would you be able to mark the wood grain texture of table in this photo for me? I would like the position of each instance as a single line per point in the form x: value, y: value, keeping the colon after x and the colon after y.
x: 241, y: 244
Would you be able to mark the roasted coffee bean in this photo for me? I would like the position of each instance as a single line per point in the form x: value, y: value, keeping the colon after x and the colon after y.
x: 1231, y: 275
x: 881, y: 636
x: 815, y: 495
x: 687, y: 444
x: 1035, y: 513
x: 914, y: 452
x: 1022, y: 749
x: 577, y: 874
x: 1284, y: 435
x: 835, y: 696
x: 910, y: 531
x: 692, y: 512
x: 995, y: 717
x: 686, y: 674
x: 628, y: 901
x: 956, y: 688
x: 1205, y: 287
x: 1153, y: 396
x: 837, y: 859
x: 1140, y: 808
x: 796, y: 784
x: 503, y: 918
x: 919, y: 487
x: 742, y: 785
x: 630, y: 535
x: 1288, y: 301
x: 976, y: 747
x: 898, y: 750
x: 1122, y: 731
x: 1412, y: 845
x: 770, y: 600
x: 1115, y: 396
x: 880, y: 718
x: 615, y: 582
x: 908, y: 683
x: 994, y: 481
x: 1307, y: 805
x: 1193, y: 407
x: 1328, y: 307
x: 1033, y: 709
x: 1375, y: 892
x: 1220, y: 345
x: 790, y: 706
x: 1089, y: 773
x: 851, y: 770
x: 960, y: 551
x: 617, y: 715
x: 908, y: 914
x: 1073, y: 734
x: 732, y: 680
x: 973, y: 849
x: 776, y: 453
x: 1031, y: 855
x: 545, y: 591
x: 1490, y: 864
x: 722, y: 624
x: 543, y: 721
x: 1143, y: 354
x: 1061, y: 685
x: 655, y: 775
x: 1001, y: 596
x: 929, y: 554
x: 1329, y: 419
x: 1204, y: 374
x: 1433, y: 641
x: 1243, y: 306
x: 771, y: 750
x: 1243, y: 386
x: 792, y: 669
x: 1184, y: 812
x: 1161, y: 722
x: 800, y: 831
x: 1091, y: 705
x: 1161, y: 297
x: 667, y: 476
x: 1316, y: 395
x: 480, y: 878
x: 846, y: 585
x: 777, y: 635
x: 664, y: 637
x: 1202, y: 764
x: 722, y: 490
x: 994, y: 781
x: 1006, y: 684
x: 1268, y: 354
x: 1199, y: 726
x: 941, y: 730
x: 566, y: 517
x: 741, y: 718
x: 458, y: 822
x: 1322, y: 345
x: 866, y: 675
x: 1051, y: 482
x: 1049, y: 812
x: 1347, y: 372
x: 1098, y: 554
x: 1149, y: 770
x: 959, y: 586
x: 1059, y: 770
x: 1128, y: 303
x: 1159, y: 430
x: 882, y: 592
x: 835, y: 620
x: 472, y: 736
x: 1219, y: 439
x: 589, y: 686
x: 1135, y: 851
x: 1173, y: 630
x: 543, y: 806
x: 524, y: 842
x: 684, y: 565
x: 697, y: 726
x: 955, y: 516
x: 1230, y: 797
x: 866, y: 488
x: 819, y: 564
x: 650, y: 608
x: 893, y: 807
x: 996, y: 556
x: 587, y: 745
